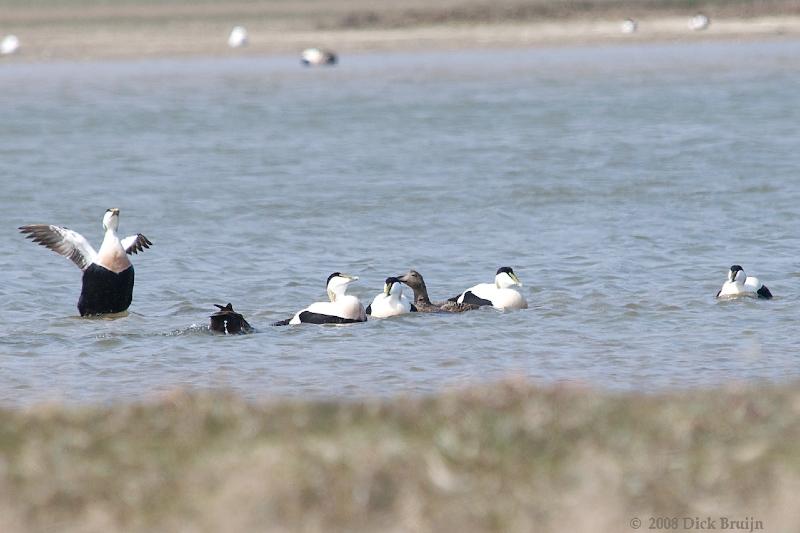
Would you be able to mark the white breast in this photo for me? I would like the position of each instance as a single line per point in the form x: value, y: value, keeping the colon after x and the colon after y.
x: 113, y: 258
x: 384, y: 306
x: 508, y: 299
x: 730, y: 288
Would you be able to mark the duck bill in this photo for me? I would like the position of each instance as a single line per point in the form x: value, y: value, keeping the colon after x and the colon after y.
x: 387, y: 288
x: 515, y: 278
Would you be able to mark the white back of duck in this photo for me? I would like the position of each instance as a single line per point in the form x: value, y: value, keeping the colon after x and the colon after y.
x: 390, y: 302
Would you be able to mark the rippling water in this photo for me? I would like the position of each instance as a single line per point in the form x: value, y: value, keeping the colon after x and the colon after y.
x: 619, y: 182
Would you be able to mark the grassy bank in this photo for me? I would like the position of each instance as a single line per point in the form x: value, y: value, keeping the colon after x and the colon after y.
x: 509, y: 457
x: 88, y: 29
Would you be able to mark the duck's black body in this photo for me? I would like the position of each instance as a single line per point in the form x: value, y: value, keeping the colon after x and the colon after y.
x: 229, y: 322
x: 104, y: 291
x: 307, y: 317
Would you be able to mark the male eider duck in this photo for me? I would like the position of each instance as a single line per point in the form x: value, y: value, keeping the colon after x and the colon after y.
x: 500, y: 294
x: 341, y: 309
x: 315, y: 56
x: 422, y: 302
x: 228, y: 322
x: 740, y: 284
x: 107, y: 273
x: 391, y: 301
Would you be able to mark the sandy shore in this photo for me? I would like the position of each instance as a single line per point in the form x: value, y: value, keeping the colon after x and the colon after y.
x: 142, y: 30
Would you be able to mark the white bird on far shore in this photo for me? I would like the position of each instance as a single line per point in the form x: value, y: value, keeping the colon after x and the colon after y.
x: 628, y: 26
x: 699, y: 22
x: 238, y: 37
x: 9, y: 45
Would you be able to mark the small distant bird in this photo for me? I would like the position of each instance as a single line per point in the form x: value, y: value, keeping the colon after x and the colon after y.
x: 628, y: 26
x: 228, y: 321
x: 740, y: 284
x: 699, y: 22
x: 107, y: 273
x: 342, y: 308
x: 238, y: 37
x: 501, y: 294
x: 315, y: 56
x: 391, y: 302
x: 9, y: 45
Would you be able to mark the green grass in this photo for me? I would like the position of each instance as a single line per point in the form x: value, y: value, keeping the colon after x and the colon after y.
x: 509, y: 457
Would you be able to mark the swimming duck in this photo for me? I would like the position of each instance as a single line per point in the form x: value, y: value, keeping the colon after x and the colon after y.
x: 500, y: 294
x: 107, y: 273
x: 422, y: 302
x: 740, y: 284
x: 228, y: 321
x: 341, y: 309
x: 391, y: 301
x: 315, y: 56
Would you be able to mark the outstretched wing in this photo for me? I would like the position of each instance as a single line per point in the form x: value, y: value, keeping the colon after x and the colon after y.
x: 135, y: 243
x: 64, y: 241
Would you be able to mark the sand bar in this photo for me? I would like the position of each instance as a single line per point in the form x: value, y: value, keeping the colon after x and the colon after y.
x: 92, y: 29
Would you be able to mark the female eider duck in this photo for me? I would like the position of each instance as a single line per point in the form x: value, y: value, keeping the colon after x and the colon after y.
x: 341, y: 309
x: 422, y: 302
x: 107, y: 273
x: 740, y: 284
x: 500, y: 294
x: 228, y: 322
x: 391, y: 302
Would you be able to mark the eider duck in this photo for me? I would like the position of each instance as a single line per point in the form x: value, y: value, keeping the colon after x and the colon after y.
x: 740, y: 284
x: 500, y: 294
x: 9, y: 45
x: 341, y: 309
x: 238, y: 37
x: 107, y: 273
x: 315, y: 56
x: 422, y: 302
x: 228, y: 322
x: 391, y: 302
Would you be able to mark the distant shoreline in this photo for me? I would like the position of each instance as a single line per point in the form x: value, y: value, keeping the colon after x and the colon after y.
x: 126, y: 34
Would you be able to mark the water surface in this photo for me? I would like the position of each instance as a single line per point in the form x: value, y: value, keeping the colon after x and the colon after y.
x: 619, y: 182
